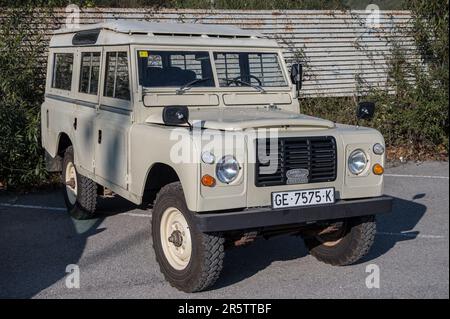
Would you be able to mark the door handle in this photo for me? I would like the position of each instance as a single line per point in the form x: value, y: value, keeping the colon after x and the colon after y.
x: 75, y: 124
x: 99, y: 136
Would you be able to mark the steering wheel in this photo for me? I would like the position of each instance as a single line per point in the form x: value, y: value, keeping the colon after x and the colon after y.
x: 239, y: 77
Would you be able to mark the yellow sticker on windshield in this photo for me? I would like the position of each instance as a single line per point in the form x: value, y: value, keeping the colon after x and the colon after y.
x: 143, y: 54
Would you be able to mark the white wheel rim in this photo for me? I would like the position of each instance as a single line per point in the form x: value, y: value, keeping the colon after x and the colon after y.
x: 175, y: 238
x: 71, y: 183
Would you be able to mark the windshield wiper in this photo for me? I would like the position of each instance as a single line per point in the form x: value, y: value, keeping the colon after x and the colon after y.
x: 189, y: 85
x: 257, y: 87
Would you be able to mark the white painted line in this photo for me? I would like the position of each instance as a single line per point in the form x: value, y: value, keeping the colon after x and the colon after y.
x: 59, y: 209
x: 137, y: 215
x: 417, y: 176
x: 62, y: 209
x: 411, y: 235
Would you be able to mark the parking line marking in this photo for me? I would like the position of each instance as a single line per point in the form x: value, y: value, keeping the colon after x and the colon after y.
x: 60, y: 209
x: 137, y: 215
x: 417, y: 176
x: 411, y: 235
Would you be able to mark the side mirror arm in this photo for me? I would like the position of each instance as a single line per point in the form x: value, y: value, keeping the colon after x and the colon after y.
x: 297, y: 76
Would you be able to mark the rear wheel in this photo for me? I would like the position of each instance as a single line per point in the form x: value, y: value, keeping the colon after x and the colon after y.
x: 80, y: 192
x: 189, y: 259
x: 343, y: 243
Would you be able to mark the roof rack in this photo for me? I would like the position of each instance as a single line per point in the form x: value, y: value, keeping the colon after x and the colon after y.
x: 166, y: 29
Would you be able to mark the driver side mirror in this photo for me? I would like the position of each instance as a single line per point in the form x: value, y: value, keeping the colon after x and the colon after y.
x: 365, y: 110
x: 175, y: 115
x: 297, y: 75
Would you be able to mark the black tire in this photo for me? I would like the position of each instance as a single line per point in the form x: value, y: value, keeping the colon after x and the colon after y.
x: 354, y: 242
x: 206, y: 260
x: 86, y: 198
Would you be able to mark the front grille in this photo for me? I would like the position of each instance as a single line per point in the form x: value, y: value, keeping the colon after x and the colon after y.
x: 316, y: 154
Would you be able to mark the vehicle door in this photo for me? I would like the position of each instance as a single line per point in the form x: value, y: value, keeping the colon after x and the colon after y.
x: 87, y: 102
x: 113, y: 118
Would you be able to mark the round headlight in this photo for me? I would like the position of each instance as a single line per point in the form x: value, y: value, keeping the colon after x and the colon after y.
x: 357, y: 162
x: 378, y: 149
x: 227, y: 169
x: 208, y: 157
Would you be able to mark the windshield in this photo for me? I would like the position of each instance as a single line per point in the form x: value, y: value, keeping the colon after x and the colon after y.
x: 174, y: 69
x: 256, y: 69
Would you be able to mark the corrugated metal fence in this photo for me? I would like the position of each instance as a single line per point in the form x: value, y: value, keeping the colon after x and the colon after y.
x: 342, y: 53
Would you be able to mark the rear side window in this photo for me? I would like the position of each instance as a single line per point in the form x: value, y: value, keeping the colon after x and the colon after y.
x: 116, y: 78
x: 62, y: 71
x: 89, y: 72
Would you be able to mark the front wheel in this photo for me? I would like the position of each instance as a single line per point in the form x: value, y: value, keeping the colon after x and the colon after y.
x: 189, y: 259
x: 342, y: 243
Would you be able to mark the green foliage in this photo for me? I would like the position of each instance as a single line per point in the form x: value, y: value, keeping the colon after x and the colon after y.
x: 421, y: 106
x: 409, y: 113
x: 21, y: 93
x: 415, y: 114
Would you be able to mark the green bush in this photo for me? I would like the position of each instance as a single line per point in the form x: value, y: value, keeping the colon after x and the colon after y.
x: 415, y: 115
x: 21, y: 93
x: 412, y: 115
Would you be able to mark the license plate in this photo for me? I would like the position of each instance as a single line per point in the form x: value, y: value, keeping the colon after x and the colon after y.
x: 306, y: 197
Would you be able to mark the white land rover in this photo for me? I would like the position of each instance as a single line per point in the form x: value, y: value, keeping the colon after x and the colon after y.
x: 202, y: 123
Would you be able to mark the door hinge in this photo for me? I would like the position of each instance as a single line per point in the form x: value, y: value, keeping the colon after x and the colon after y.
x: 93, y: 163
x: 127, y: 179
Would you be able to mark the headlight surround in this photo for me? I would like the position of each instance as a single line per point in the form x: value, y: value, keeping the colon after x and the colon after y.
x: 357, y: 162
x: 378, y: 149
x: 227, y: 169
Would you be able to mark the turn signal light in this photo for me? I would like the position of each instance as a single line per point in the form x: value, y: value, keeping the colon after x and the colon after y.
x: 208, y: 180
x: 378, y: 169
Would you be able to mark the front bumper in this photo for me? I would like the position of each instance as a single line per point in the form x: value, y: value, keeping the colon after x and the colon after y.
x: 266, y: 216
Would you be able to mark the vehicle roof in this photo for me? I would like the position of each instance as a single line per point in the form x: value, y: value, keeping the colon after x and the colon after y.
x: 140, y: 26
x: 127, y: 31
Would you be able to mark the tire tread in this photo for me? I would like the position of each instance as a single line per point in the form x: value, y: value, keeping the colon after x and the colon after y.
x: 362, y: 239
x: 212, y: 247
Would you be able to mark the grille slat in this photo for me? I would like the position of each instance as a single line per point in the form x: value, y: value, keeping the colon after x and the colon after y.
x: 317, y: 154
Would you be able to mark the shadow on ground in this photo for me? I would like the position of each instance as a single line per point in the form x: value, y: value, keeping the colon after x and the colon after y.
x: 404, y: 217
x: 36, y: 246
x: 244, y: 262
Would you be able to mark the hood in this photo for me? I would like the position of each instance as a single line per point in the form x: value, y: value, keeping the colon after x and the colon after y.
x: 236, y: 118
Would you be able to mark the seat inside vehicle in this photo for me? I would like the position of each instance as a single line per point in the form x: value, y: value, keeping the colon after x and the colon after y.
x: 168, y: 76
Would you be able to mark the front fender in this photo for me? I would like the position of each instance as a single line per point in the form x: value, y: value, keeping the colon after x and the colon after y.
x: 150, y: 144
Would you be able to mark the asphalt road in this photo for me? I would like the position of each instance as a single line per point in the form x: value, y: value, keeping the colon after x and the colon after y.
x: 115, y: 257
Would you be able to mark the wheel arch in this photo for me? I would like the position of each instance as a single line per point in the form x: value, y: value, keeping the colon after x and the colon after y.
x: 54, y: 155
x: 158, y: 175
x: 64, y: 141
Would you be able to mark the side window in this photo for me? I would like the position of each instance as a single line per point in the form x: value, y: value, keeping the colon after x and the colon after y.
x: 89, y: 72
x: 116, y: 79
x: 62, y: 71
